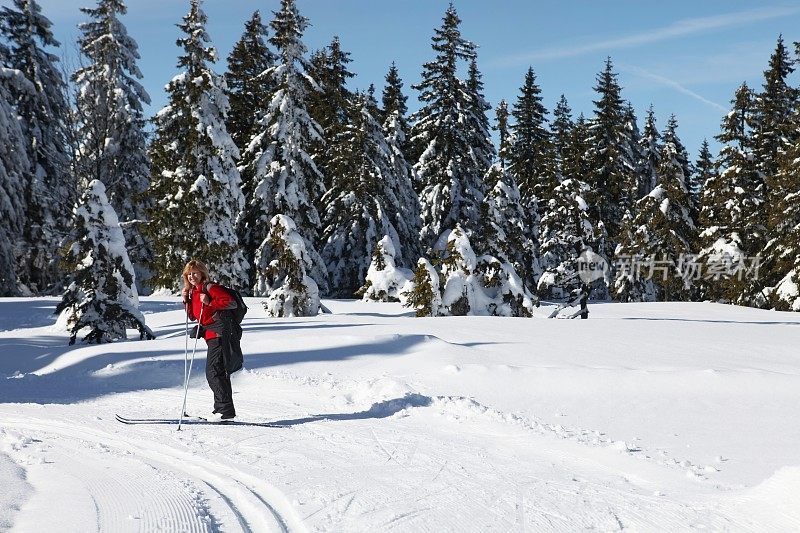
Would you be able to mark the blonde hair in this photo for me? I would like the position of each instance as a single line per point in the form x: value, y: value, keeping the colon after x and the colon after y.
x: 199, y: 266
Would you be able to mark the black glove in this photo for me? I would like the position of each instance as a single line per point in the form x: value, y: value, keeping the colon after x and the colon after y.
x: 198, y: 332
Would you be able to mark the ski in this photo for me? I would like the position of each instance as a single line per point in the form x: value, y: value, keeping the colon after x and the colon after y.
x: 195, y: 420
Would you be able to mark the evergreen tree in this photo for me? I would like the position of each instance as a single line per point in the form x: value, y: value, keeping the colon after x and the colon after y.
x: 278, y: 164
x: 574, y: 164
x: 532, y: 156
x: 362, y: 205
x: 503, y: 231
x: 405, y: 214
x: 670, y: 135
x: 385, y: 281
x: 393, y: 99
x: 48, y: 183
x: 249, y: 89
x: 782, y: 252
x: 102, y: 294
x: 451, y: 190
x: 649, y: 155
x: 630, y: 190
x: 561, y: 131
x: 328, y: 105
x: 423, y: 294
x: 704, y: 168
x: 566, y: 232
x: 195, y: 186
x: 660, y: 233
x: 504, y: 147
x: 14, y: 169
x: 481, y: 147
x: 610, y: 162
x: 110, y: 122
x: 729, y: 217
x: 282, y: 263
x: 775, y: 138
x: 774, y: 130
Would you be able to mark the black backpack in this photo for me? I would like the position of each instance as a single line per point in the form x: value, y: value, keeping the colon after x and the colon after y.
x: 241, y: 308
x: 228, y: 325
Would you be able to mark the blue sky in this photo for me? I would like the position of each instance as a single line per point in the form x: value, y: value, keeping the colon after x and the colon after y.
x: 684, y: 57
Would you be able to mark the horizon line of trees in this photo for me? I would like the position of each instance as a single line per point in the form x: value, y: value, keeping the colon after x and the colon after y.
x: 280, y: 133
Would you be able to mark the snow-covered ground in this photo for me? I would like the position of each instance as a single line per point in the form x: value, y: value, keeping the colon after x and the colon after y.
x: 647, y: 417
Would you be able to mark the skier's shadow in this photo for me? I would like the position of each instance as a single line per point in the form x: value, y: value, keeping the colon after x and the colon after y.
x: 382, y: 409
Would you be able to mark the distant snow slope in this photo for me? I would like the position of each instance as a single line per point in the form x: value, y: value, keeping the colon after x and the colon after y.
x: 647, y: 417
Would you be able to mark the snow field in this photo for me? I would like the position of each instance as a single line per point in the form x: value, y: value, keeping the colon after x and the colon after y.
x: 647, y: 417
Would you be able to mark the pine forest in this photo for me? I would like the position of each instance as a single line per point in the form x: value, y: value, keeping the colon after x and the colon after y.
x: 291, y: 184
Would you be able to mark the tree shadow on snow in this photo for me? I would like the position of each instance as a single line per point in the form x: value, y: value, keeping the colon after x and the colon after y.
x: 395, y: 345
x: 119, y: 368
x: 383, y: 409
x: 28, y: 313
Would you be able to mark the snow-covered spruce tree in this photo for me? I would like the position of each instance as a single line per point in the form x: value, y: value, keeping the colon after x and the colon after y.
x: 630, y: 193
x: 574, y: 164
x: 405, y: 214
x: 501, y: 116
x: 277, y: 165
x: 385, y: 281
x: 422, y: 294
x: 611, y: 169
x: 649, y: 155
x: 195, y: 186
x: 661, y: 231
x: 110, y: 124
x: 282, y: 262
x: 451, y: 186
x: 704, y: 168
x: 561, y: 132
x: 482, y: 150
x: 774, y: 139
x: 670, y: 135
x: 48, y: 183
x: 566, y: 231
x: 774, y: 130
x: 361, y: 203
x: 102, y: 294
x: 730, y: 218
x: 532, y: 155
x: 249, y: 89
x: 782, y: 252
x: 328, y: 105
x: 14, y: 169
x: 504, y: 225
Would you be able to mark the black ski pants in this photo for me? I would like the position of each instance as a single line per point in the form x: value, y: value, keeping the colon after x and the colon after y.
x: 218, y: 378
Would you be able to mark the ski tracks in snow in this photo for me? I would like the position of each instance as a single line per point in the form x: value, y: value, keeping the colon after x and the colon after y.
x: 116, y: 482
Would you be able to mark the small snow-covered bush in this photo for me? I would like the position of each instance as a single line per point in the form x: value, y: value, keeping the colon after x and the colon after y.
x: 422, y: 293
x: 471, y: 285
x: 385, y: 281
x: 283, y: 262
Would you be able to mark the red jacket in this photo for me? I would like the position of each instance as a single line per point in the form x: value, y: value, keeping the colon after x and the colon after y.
x: 220, y: 299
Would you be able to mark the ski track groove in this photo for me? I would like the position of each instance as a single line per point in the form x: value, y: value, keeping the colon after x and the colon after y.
x: 250, y: 505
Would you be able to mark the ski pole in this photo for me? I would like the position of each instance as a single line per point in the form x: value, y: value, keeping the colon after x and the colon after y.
x: 189, y: 373
x: 186, y: 343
